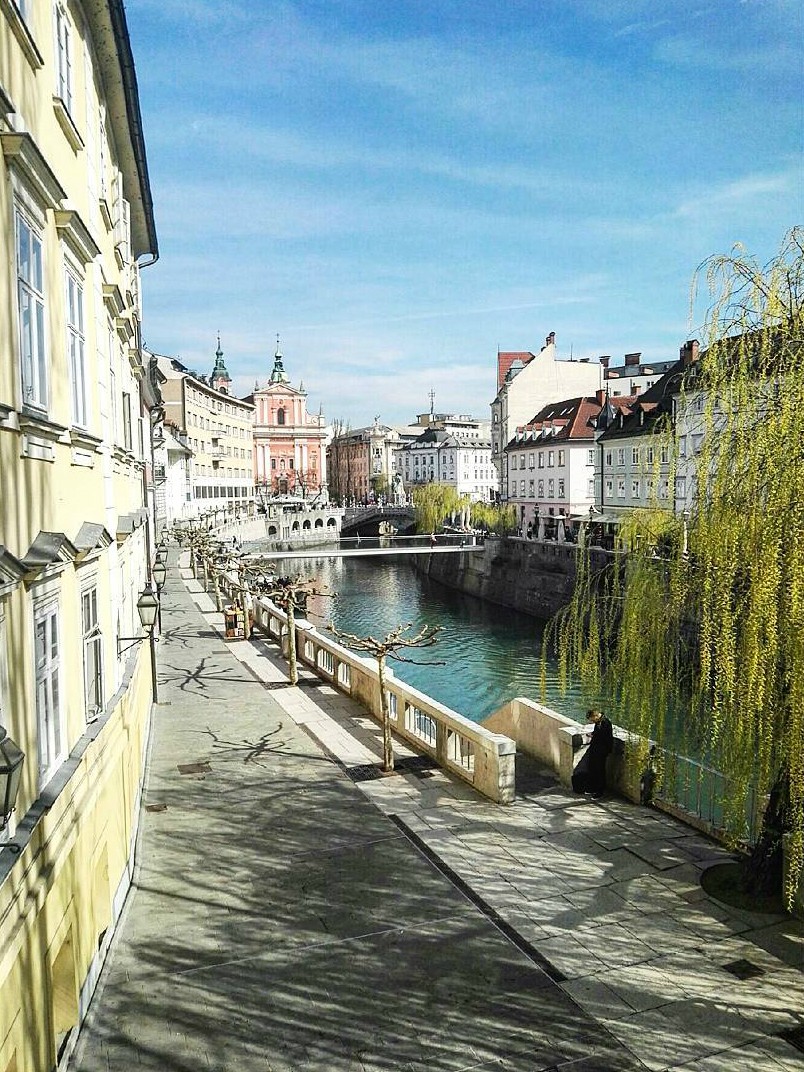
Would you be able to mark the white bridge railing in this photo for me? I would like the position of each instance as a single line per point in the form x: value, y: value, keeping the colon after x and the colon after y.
x: 484, y: 759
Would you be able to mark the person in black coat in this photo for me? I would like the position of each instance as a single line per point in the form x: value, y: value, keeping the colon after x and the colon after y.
x: 589, y: 775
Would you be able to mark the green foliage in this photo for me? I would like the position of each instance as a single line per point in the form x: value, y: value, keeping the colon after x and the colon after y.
x: 493, y: 518
x: 695, y: 630
x: 434, y: 504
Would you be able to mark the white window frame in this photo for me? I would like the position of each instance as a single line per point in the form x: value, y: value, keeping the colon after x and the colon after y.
x: 31, y: 294
x: 47, y: 688
x: 64, y: 60
x: 92, y: 652
x: 76, y: 348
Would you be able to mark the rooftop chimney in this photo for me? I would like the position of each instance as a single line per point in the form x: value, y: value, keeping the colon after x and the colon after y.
x: 689, y: 352
x: 600, y: 396
x: 604, y: 360
x: 632, y: 359
x: 551, y: 338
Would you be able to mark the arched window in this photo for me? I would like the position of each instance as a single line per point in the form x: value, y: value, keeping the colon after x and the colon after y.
x: 280, y: 416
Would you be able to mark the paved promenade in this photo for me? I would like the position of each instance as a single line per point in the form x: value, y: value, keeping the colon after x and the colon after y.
x: 290, y: 916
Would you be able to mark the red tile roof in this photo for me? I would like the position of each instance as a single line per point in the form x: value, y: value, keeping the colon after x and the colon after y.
x: 506, y: 358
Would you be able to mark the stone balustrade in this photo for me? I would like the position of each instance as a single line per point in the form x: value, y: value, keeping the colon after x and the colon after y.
x: 484, y: 759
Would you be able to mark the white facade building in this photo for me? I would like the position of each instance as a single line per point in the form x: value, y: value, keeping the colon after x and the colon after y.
x: 526, y: 383
x: 551, y: 466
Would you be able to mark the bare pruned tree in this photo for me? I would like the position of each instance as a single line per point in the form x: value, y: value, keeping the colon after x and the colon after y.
x: 392, y: 645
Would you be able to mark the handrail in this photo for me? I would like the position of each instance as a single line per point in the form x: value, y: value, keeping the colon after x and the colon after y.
x: 484, y: 759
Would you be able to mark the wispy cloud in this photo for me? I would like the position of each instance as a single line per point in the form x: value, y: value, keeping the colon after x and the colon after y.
x: 739, y: 194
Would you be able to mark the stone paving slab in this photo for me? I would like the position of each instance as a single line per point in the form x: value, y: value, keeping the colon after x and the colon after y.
x: 280, y: 921
x: 603, y: 894
x: 549, y: 861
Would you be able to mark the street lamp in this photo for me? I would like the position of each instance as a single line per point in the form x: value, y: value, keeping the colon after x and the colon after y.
x: 11, y: 759
x: 147, y: 609
x: 159, y: 573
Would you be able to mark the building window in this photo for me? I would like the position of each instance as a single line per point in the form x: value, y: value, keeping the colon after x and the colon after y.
x: 649, y: 455
x: 551, y: 455
x: 609, y: 488
x: 541, y: 489
x: 522, y: 488
x: 635, y: 455
x: 93, y: 653
x: 561, y: 457
x: 541, y: 459
x: 697, y: 442
x: 76, y: 350
x: 561, y: 489
x: 280, y: 416
x: 64, y: 73
x: 682, y: 446
x: 621, y: 456
x: 609, y: 456
x: 590, y: 489
x: 530, y: 461
x: 530, y: 488
x: 634, y: 489
x: 664, y: 456
x: 621, y: 488
x: 127, y: 441
x: 590, y: 457
x: 681, y: 487
x: 48, y: 701
x: 31, y: 307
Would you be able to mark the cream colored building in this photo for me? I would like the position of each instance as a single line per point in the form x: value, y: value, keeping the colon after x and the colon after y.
x: 75, y: 486
x: 219, y: 431
x: 526, y: 382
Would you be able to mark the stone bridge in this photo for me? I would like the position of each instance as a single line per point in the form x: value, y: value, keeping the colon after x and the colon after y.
x: 366, y: 520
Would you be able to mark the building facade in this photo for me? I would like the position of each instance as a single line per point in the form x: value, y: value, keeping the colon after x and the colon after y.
x: 76, y: 488
x: 218, y: 429
x: 290, y: 455
x: 551, y: 467
x: 527, y: 382
x: 363, y: 462
x: 454, y: 450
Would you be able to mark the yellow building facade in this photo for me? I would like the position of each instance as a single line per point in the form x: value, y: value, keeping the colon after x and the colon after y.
x: 76, y: 225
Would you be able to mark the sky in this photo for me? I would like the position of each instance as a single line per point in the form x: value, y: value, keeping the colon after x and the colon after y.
x: 399, y: 188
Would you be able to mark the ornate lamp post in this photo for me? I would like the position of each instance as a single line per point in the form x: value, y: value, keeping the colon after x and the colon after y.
x: 11, y: 760
x: 147, y: 609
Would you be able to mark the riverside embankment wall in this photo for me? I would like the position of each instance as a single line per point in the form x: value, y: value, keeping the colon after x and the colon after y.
x: 536, y: 577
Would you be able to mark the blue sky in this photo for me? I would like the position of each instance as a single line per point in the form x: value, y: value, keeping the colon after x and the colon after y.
x: 400, y: 187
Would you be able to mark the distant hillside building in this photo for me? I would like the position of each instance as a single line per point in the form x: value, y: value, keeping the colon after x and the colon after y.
x: 289, y: 443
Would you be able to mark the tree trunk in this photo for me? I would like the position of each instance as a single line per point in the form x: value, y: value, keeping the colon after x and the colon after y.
x: 293, y: 669
x: 764, y: 867
x: 387, y: 740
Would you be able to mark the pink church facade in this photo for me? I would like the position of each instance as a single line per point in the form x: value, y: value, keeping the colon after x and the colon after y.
x: 289, y: 443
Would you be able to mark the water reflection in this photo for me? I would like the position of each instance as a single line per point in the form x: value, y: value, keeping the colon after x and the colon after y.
x: 490, y: 654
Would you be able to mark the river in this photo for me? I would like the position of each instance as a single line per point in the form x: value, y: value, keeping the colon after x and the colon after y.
x: 488, y: 654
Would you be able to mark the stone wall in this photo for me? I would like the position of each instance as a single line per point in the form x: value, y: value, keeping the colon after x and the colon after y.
x: 536, y: 577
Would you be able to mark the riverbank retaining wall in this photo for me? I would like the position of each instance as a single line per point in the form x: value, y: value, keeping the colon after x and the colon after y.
x: 532, y: 576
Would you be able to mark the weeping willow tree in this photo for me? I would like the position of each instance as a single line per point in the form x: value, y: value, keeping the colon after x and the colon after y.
x: 437, y: 503
x: 493, y: 517
x: 694, y: 632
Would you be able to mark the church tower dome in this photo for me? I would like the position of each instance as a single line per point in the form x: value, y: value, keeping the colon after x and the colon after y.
x: 220, y: 380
